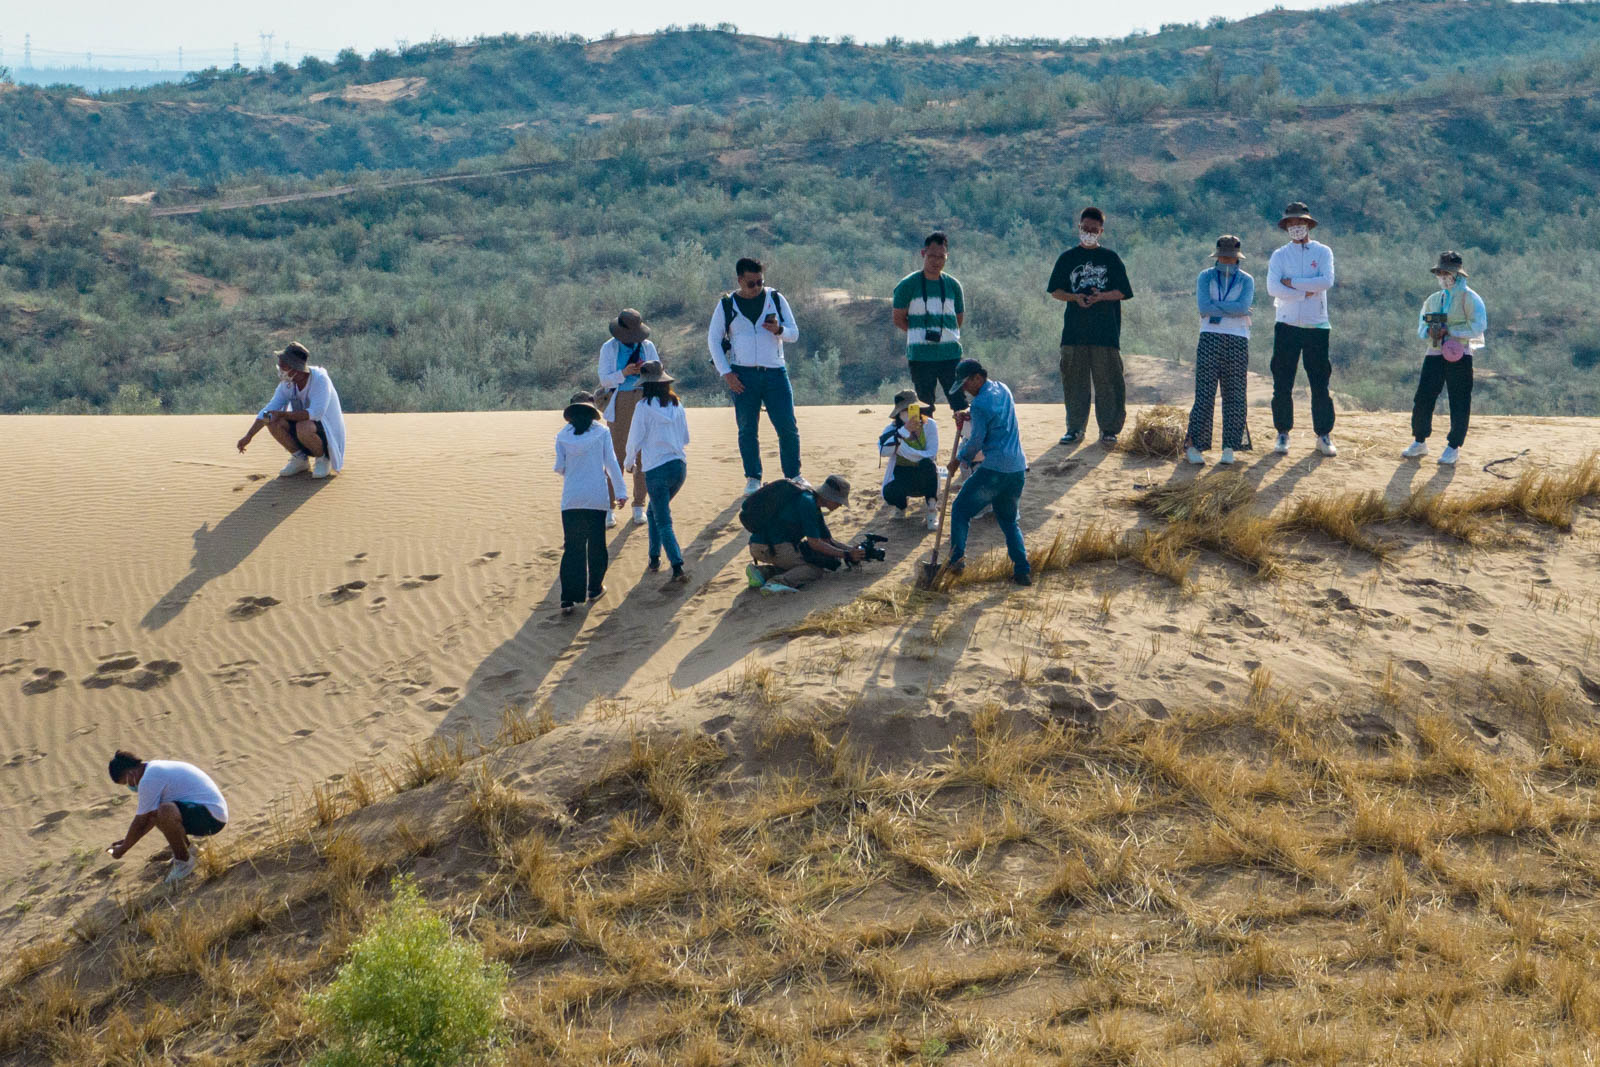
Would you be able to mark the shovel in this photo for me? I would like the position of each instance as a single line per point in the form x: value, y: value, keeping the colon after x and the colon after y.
x: 928, y: 572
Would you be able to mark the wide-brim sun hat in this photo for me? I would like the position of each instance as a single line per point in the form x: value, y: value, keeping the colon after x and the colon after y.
x: 629, y: 327
x: 1228, y: 245
x: 294, y: 354
x: 834, y: 489
x: 580, y: 402
x: 903, y: 400
x: 1449, y: 263
x: 1296, y: 212
x: 653, y: 373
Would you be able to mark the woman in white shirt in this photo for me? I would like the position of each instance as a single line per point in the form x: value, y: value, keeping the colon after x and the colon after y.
x: 910, y: 443
x: 656, y: 443
x: 586, y: 459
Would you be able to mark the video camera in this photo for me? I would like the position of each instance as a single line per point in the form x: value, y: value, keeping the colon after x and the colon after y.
x: 870, y: 552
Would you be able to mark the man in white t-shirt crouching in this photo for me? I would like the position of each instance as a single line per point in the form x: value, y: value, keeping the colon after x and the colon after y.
x: 179, y: 799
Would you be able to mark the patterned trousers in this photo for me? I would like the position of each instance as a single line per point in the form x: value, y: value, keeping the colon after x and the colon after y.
x: 1220, y: 359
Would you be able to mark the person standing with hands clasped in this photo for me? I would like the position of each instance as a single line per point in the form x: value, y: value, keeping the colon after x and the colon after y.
x: 1299, y: 275
x: 748, y: 331
x: 1092, y: 281
x: 586, y: 461
x: 929, y: 307
x: 1224, y: 294
x: 621, y: 357
x: 1453, y: 322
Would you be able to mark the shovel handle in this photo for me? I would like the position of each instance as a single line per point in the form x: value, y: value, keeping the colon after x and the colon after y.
x: 944, y: 505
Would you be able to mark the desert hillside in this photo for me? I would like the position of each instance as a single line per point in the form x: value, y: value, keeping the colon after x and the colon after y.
x: 1294, y: 763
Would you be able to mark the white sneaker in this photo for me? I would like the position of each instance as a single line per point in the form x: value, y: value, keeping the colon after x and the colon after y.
x: 1227, y: 457
x: 751, y: 485
x: 1195, y: 456
x: 775, y: 587
x: 1415, y: 449
x: 1325, y: 445
x: 180, y: 869
x: 638, y: 516
x: 611, y: 520
x: 298, y: 463
x: 322, y: 467
x: 1447, y: 458
x: 1282, y: 447
x: 933, y: 517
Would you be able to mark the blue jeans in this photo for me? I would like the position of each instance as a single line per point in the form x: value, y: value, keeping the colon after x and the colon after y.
x: 985, y: 487
x: 662, y: 484
x: 769, y: 386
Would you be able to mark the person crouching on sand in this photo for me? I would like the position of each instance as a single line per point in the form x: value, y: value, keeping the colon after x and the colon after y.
x: 179, y: 799
x: 910, y: 445
x: 585, y: 459
x: 303, y: 416
x: 656, y: 442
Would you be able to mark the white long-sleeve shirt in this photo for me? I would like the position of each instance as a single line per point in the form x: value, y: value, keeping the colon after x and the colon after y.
x: 658, y: 434
x: 1309, y: 268
x: 902, y: 447
x: 585, y: 461
x: 612, y: 355
x: 753, y: 345
x: 320, y: 400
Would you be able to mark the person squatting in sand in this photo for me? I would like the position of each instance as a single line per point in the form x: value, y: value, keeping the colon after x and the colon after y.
x: 790, y: 542
x: 587, y: 463
x: 909, y: 445
x: 1453, y: 322
x: 992, y: 453
x: 928, y: 306
x: 655, y: 450
x: 746, y: 337
x: 1092, y: 282
x: 177, y: 798
x: 629, y: 349
x: 303, y: 416
x: 1299, y: 275
x: 1224, y: 294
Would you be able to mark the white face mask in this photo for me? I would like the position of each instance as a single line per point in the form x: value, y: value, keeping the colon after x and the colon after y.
x: 1299, y: 233
x: 1446, y: 281
x: 1088, y: 240
x: 285, y: 376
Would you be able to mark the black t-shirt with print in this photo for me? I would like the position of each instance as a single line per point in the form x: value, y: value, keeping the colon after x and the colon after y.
x: 1089, y: 270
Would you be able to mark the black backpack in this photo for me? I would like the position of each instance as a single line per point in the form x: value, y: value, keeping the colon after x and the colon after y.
x: 762, y: 507
x: 729, y: 314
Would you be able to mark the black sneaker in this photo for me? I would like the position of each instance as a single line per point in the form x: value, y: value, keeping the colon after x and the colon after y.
x: 1022, y: 579
x: 956, y: 566
x: 597, y: 594
x: 566, y: 607
x: 1071, y: 437
x: 1109, y: 440
x: 655, y: 563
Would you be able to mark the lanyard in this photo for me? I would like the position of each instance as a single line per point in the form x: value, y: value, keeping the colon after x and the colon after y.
x: 924, y: 279
x: 1233, y: 280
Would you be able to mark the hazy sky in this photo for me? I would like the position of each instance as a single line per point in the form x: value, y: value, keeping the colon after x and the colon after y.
x: 120, y: 33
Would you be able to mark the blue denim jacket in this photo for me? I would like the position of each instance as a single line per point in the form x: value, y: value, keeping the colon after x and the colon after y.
x: 994, y: 432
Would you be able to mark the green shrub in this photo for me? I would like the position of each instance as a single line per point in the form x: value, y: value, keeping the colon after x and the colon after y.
x: 411, y: 994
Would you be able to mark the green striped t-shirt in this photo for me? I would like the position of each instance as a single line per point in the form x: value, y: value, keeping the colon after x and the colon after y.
x: 938, y: 311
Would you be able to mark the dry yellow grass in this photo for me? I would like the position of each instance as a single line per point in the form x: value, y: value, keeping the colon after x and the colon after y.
x: 1158, y: 432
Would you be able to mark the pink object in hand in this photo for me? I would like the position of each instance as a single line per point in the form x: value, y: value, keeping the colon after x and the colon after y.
x: 1452, y: 350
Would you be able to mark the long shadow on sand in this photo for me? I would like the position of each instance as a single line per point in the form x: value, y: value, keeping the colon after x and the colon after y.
x: 219, y: 549
x: 598, y: 662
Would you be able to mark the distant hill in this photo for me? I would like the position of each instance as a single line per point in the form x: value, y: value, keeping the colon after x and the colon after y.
x: 633, y: 171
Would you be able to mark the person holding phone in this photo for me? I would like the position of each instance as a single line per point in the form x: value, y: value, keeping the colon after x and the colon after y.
x: 910, y: 447
x: 1452, y: 321
x: 621, y: 357
x: 746, y: 337
x: 929, y: 307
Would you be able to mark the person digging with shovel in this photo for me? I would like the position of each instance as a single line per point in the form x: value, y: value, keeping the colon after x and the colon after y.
x: 997, y: 468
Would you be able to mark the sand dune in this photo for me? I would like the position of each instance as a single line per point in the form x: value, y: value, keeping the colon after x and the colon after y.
x: 161, y: 592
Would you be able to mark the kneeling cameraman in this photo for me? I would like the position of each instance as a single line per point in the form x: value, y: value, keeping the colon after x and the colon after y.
x: 789, y: 540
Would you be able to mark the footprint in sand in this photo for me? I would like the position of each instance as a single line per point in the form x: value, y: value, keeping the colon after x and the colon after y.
x: 309, y: 679
x: 356, y: 560
x: 156, y: 673
x: 44, y: 679
x: 298, y: 735
x: 235, y: 673
x: 1477, y: 628
x: 342, y: 593
x: 13, y: 666
x: 103, y: 624
x: 378, y: 604
x: 248, y: 607
x: 110, y: 671
x: 443, y: 699
x: 20, y: 628
x: 1418, y: 668
x: 82, y: 730
x: 1520, y: 660
x: 23, y: 757
x: 419, y: 581
x: 48, y: 823
x: 485, y: 558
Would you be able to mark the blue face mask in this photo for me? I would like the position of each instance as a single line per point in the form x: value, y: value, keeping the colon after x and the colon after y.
x: 133, y: 789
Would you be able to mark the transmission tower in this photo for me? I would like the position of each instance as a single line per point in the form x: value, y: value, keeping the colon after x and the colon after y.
x: 266, y: 50
x: 27, y: 51
x: 236, y: 53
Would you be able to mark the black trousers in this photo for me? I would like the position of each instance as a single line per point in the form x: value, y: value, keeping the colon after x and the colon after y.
x: 928, y: 374
x: 583, y: 554
x: 1439, y: 375
x: 1291, y: 344
x: 922, y: 479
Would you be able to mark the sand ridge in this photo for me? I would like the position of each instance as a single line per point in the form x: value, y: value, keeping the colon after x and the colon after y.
x: 164, y: 593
